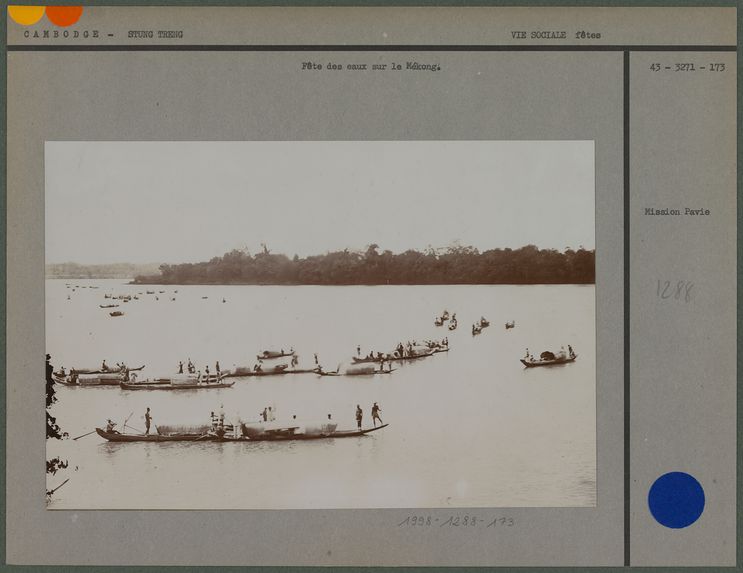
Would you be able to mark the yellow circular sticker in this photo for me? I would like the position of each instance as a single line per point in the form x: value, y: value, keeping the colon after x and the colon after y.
x: 26, y: 15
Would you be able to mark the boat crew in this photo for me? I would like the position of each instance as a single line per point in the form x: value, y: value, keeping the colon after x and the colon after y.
x: 180, y: 367
x: 359, y: 415
x: 147, y: 421
x: 207, y: 373
x: 104, y: 366
x: 110, y: 427
x: 217, y: 367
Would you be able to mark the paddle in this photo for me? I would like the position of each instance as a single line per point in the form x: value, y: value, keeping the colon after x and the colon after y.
x: 93, y: 432
x: 59, y: 486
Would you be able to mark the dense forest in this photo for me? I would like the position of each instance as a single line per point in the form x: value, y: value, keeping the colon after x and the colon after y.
x: 454, y: 265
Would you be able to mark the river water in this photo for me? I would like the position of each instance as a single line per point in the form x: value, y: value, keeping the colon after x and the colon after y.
x: 467, y: 428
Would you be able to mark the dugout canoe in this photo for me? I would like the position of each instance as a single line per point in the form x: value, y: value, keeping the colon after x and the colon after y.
x: 159, y: 385
x: 245, y: 372
x: 272, y: 436
x: 554, y: 362
x: 99, y: 371
x: 271, y: 354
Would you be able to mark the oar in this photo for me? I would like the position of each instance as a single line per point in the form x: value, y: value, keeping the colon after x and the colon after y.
x: 93, y: 432
x: 59, y: 486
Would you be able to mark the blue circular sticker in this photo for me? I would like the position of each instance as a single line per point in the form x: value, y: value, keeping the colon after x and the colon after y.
x: 676, y: 500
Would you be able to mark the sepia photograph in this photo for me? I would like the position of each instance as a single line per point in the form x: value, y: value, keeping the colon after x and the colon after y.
x: 320, y: 324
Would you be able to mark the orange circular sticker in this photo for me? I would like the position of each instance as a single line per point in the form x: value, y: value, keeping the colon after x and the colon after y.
x: 64, y: 15
x: 26, y: 15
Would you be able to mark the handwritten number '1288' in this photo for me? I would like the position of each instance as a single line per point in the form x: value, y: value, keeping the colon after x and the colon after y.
x: 680, y: 291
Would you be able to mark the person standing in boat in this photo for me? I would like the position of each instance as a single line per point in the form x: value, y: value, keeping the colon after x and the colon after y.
x: 375, y: 414
x: 359, y: 415
x: 570, y: 351
x: 147, y: 422
x: 180, y: 367
x: 207, y: 373
x: 218, y: 369
x: 295, y: 361
x: 104, y: 366
x: 317, y: 363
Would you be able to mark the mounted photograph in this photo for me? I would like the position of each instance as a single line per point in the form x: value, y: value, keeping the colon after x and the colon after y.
x: 320, y: 324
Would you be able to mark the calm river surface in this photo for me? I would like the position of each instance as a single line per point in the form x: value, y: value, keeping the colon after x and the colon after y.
x: 468, y: 428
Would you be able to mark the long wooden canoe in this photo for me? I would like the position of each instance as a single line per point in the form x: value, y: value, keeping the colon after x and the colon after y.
x: 271, y: 354
x: 555, y: 362
x: 158, y: 385
x: 274, y: 436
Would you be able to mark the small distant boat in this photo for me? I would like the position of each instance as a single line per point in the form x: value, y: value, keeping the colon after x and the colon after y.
x: 150, y: 292
x: 438, y: 321
x: 271, y: 354
x: 203, y: 297
x: 510, y: 325
x: 99, y: 371
x: 116, y: 313
x: 108, y: 305
x: 548, y: 359
x: 108, y: 379
x: 476, y: 329
x: 445, y: 315
x: 246, y: 371
x: 453, y: 325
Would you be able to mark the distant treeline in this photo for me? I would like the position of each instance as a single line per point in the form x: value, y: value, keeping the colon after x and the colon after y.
x: 455, y: 265
x: 110, y: 271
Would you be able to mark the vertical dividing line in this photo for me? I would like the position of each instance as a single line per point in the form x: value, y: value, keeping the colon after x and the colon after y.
x: 626, y: 317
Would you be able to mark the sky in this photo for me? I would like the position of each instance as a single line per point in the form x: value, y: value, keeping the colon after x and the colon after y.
x: 174, y: 202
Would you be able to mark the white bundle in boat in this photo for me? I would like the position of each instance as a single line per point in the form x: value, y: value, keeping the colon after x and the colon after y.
x: 169, y: 430
x: 177, y: 379
x: 320, y: 428
x: 361, y: 370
